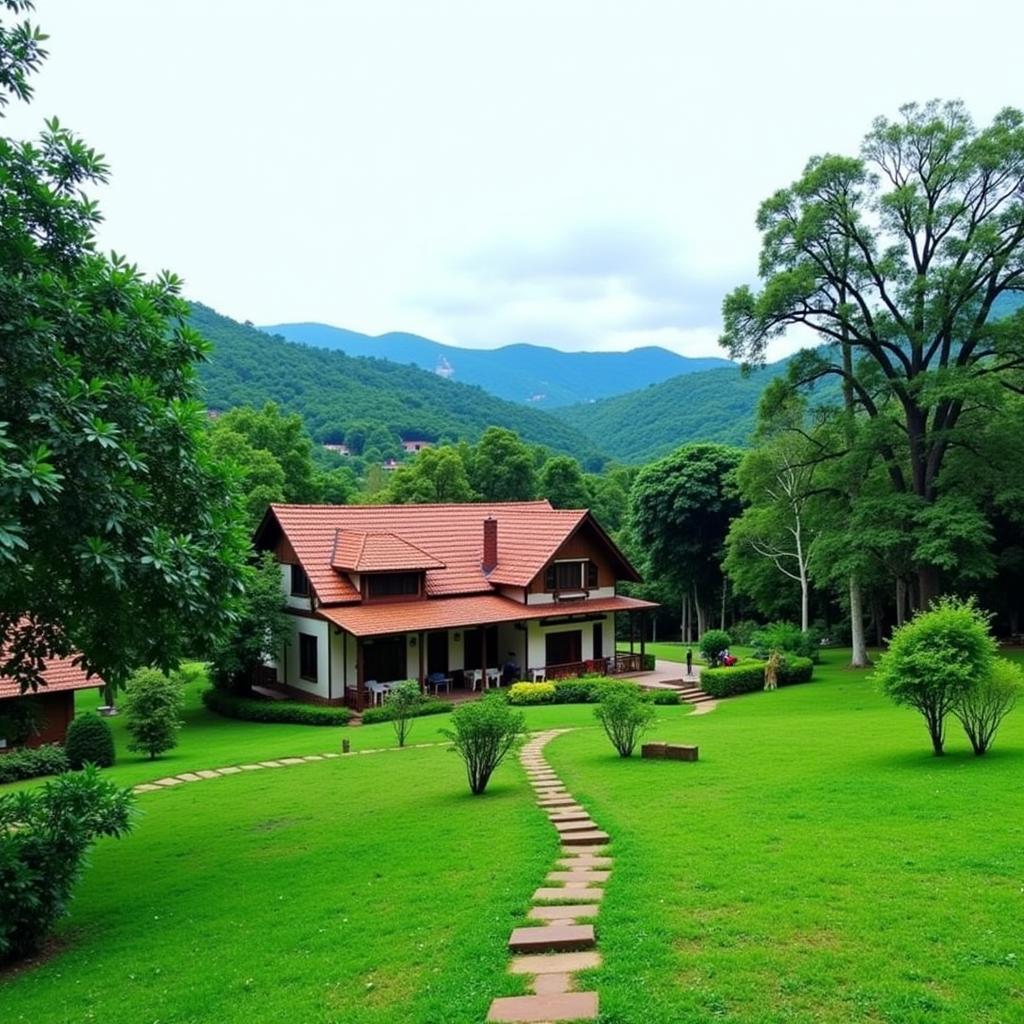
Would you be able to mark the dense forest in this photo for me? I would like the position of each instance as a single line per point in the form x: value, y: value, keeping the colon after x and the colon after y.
x: 332, y: 391
x: 543, y: 377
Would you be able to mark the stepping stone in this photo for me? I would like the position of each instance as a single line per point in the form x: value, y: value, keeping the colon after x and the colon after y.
x: 551, y: 984
x: 557, y: 913
x: 595, y: 838
x: 555, y: 963
x: 172, y: 781
x: 579, y: 825
x: 568, y: 814
x: 557, y: 801
x: 271, y: 764
x: 190, y: 777
x: 577, y: 876
x: 208, y: 773
x: 332, y: 755
x: 585, y: 860
x: 230, y: 770
x: 291, y: 760
x: 145, y: 787
x: 313, y: 757
x: 552, y: 894
x: 554, y: 1007
x: 252, y: 767
x: 551, y: 939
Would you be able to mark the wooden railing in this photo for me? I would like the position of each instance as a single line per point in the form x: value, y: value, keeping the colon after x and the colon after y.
x: 623, y: 663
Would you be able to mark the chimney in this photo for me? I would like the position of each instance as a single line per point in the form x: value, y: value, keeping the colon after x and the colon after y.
x: 490, y: 544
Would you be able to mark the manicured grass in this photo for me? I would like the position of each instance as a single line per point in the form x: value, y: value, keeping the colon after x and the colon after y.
x: 673, y: 651
x: 362, y: 890
x: 816, y: 865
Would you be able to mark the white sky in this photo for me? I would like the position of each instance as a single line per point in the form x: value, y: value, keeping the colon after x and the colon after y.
x: 576, y: 173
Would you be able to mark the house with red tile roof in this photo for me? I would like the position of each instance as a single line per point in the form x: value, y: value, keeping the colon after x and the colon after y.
x: 456, y: 595
x: 52, y: 705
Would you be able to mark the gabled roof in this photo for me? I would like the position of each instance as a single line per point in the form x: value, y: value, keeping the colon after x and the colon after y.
x: 381, y: 538
x: 58, y: 674
x: 379, y: 551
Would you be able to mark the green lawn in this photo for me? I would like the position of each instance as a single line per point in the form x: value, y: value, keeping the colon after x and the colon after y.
x: 673, y: 651
x: 816, y: 865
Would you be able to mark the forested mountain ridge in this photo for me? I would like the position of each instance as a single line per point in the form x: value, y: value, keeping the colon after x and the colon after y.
x: 535, y: 374
x: 332, y: 391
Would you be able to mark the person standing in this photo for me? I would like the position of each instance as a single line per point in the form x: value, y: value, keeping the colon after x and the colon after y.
x: 689, y: 662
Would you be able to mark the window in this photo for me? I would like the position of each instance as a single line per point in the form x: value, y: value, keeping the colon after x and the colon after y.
x: 300, y: 582
x: 393, y: 584
x: 570, y: 576
x: 307, y: 656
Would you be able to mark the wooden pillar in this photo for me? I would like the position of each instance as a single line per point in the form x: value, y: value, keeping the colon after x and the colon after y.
x: 632, y: 630
x: 422, y: 642
x: 360, y: 677
x: 483, y: 659
x: 643, y: 633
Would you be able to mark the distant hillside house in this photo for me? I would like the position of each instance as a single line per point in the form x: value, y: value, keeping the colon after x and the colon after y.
x: 443, y: 594
x: 338, y: 449
x: 415, y: 444
x: 51, y: 707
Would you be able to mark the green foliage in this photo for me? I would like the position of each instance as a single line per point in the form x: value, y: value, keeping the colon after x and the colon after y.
x: 712, y: 644
x: 19, y: 720
x: 253, y: 710
x: 786, y: 637
x: 427, y: 706
x: 435, y: 476
x: 982, y: 709
x: 260, y: 628
x: 748, y: 677
x: 483, y: 733
x: 152, y: 708
x: 111, y: 508
x: 335, y: 393
x: 28, y: 762
x: 44, y: 837
x: 89, y: 741
x: 403, y: 703
x: 531, y: 693
x: 624, y: 716
x: 502, y: 467
x: 936, y: 660
x: 561, y: 481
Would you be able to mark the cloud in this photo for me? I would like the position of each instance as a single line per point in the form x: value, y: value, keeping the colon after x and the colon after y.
x: 591, y: 286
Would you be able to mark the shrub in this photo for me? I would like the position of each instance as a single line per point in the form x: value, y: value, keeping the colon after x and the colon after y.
x: 19, y: 720
x: 935, y: 660
x: 483, y: 733
x: 711, y: 645
x: 427, y: 706
x: 625, y: 717
x: 650, y: 662
x: 661, y: 696
x: 788, y: 638
x: 89, y: 741
x: 748, y: 677
x: 251, y: 709
x: 743, y: 631
x: 575, y: 691
x: 982, y: 710
x: 44, y: 836
x: 534, y: 693
x: 29, y: 762
x: 152, y: 708
x: 403, y: 701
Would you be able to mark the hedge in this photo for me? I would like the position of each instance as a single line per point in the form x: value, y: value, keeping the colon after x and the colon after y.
x: 28, y: 762
x: 251, y: 709
x: 749, y: 677
x: 429, y: 706
x: 583, y: 690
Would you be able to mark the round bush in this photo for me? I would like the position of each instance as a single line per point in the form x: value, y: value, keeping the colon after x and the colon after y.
x: 531, y: 693
x: 712, y: 643
x: 89, y: 741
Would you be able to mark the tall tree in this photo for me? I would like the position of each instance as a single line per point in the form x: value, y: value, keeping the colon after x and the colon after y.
x: 502, y: 467
x: 119, y: 536
x: 561, y: 481
x: 904, y: 254
x: 680, y: 510
x: 435, y: 476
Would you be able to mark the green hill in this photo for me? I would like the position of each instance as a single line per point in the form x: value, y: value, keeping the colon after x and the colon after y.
x: 716, y: 405
x: 543, y: 377
x: 333, y: 391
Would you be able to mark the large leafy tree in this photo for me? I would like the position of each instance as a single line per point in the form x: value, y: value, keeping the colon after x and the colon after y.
x: 502, y: 467
x: 680, y: 510
x: 901, y: 260
x: 561, y: 481
x: 435, y: 476
x: 119, y: 535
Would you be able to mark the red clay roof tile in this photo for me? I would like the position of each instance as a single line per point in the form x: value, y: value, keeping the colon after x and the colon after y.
x: 59, y: 674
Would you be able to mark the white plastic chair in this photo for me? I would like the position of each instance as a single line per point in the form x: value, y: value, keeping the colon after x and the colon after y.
x: 475, y: 678
x: 493, y: 677
x: 538, y: 675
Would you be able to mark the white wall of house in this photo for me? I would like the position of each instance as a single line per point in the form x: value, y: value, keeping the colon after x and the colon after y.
x: 592, y: 595
x: 537, y: 632
x: 456, y: 651
x: 286, y: 587
x: 512, y: 640
x: 337, y: 686
x: 319, y: 629
x: 412, y: 656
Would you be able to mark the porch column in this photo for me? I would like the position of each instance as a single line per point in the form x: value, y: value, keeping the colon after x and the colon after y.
x: 632, y: 630
x: 643, y: 632
x: 360, y: 677
x: 422, y: 642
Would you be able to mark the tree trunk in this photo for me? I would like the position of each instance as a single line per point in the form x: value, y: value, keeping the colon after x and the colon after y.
x: 859, y: 657
x: 901, y: 600
x: 701, y: 613
x: 725, y: 590
x: 805, y: 602
x: 929, y: 585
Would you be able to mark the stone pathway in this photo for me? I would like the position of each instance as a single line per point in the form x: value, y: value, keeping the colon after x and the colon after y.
x: 282, y: 762
x: 562, y: 942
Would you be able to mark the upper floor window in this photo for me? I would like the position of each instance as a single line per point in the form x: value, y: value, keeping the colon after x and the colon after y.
x: 576, y: 575
x: 300, y: 582
x: 393, y: 584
